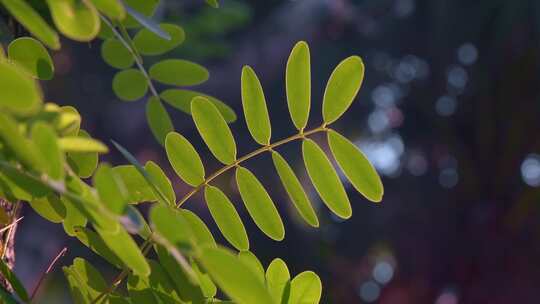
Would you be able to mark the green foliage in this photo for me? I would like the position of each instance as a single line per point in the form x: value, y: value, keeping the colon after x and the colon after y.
x: 44, y: 154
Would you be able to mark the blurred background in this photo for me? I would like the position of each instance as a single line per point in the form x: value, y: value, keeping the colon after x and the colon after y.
x: 448, y: 114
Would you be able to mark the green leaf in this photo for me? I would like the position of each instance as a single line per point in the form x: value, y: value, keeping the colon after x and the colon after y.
x: 83, y: 163
x: 356, y: 167
x: 49, y: 207
x: 32, y: 56
x: 157, y: 288
x: 116, y: 54
x: 226, y: 217
x: 178, y: 72
x: 19, y: 145
x: 254, y: 105
x: 181, y: 99
x: 306, y: 288
x: 138, y: 189
x: 158, y: 119
x: 121, y: 243
x: 213, y: 3
x: 130, y: 85
x: 18, y: 92
x: 68, y: 121
x: 110, y: 188
x: 237, y: 280
x: 148, y: 43
x: 144, y: 20
x: 46, y: 142
x: 208, y: 287
x: 200, y: 231
x: 6, y: 297
x: 85, y: 281
x: 82, y: 144
x: 20, y: 185
x: 137, y: 219
x: 161, y: 182
x: 172, y: 225
x: 325, y: 179
x: 277, y: 277
x: 111, y: 8
x: 74, y: 218
x: 77, y: 20
x: 9, y: 276
x: 295, y: 190
x: 298, y: 84
x: 259, y: 204
x: 214, y: 130
x: 93, y: 241
x: 143, y: 7
x: 342, y: 88
x: 250, y: 260
x: 33, y: 22
x: 184, y: 159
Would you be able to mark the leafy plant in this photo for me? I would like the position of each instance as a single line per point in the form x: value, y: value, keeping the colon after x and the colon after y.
x: 44, y: 157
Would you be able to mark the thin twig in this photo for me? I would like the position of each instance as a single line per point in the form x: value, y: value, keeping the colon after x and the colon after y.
x: 49, y: 269
x: 11, y: 225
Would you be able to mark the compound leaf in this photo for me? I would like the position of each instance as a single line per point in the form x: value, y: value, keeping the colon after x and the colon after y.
x: 298, y: 84
x: 254, y: 105
x: 184, y: 159
x: 277, y: 277
x: 200, y: 231
x: 18, y: 92
x: 306, y: 288
x: 77, y: 20
x: 130, y: 85
x: 249, y: 259
x: 111, y: 8
x: 178, y: 72
x: 115, y: 54
x: 181, y: 99
x: 161, y: 183
x: 32, y: 56
x: 158, y: 119
x: 82, y: 144
x: 46, y: 142
x: 148, y: 43
x: 110, y: 188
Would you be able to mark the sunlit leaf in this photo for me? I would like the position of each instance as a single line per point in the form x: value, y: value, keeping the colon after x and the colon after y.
x: 139, y: 12
x: 74, y: 218
x: 85, y: 281
x: 158, y: 119
x: 111, y: 8
x: 181, y: 99
x: 214, y: 130
x: 130, y: 85
x: 49, y: 207
x: 306, y: 288
x: 161, y: 182
x: 226, y: 217
x: 77, y: 20
x: 83, y: 163
x: 184, y: 159
x: 9, y: 276
x: 249, y: 259
x: 213, y: 3
x: 342, y: 88
x: 82, y: 144
x: 259, y: 204
x: 172, y: 225
x: 93, y: 241
x: 208, y: 287
x: 121, y: 243
x: 45, y: 140
x: 68, y: 121
x: 138, y: 189
x: 33, y: 22
x: 18, y: 92
x: 157, y: 288
x: 178, y: 72
x: 277, y: 277
x: 110, y: 188
x: 325, y: 179
x: 295, y: 190
x: 200, y: 231
x: 356, y: 167
x: 298, y: 84
x: 32, y: 56
x: 237, y: 280
x: 23, y: 148
x: 254, y: 105
x: 115, y: 54
x: 148, y: 43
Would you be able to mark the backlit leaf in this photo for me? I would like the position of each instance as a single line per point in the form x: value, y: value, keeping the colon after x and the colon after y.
x: 93, y: 241
x: 20, y: 185
x: 342, y: 88
x: 115, y: 54
x: 157, y: 288
x: 139, y: 12
x: 237, y: 280
x: 184, y: 159
x: 295, y: 190
x: 130, y: 85
x: 178, y: 72
x: 213, y: 3
x: 325, y: 179
x: 83, y: 163
x: 138, y: 189
x: 82, y: 144
x: 17, y: 286
x: 249, y: 259
x: 46, y: 142
x: 49, y: 207
x: 110, y: 188
x: 33, y: 22
x: 85, y: 281
x: 226, y: 217
x: 259, y: 204
x: 214, y: 130
x: 74, y: 218
x: 18, y: 92
x: 277, y: 277
x: 298, y: 84
x: 158, y: 119
x: 23, y: 148
x: 356, y: 167
x: 254, y: 105
x: 208, y: 287
x: 148, y: 43
x: 77, y: 20
x: 200, y: 231
x: 172, y: 225
x: 111, y: 8
x: 306, y: 288
x: 181, y: 99
x: 32, y: 56
x: 161, y: 182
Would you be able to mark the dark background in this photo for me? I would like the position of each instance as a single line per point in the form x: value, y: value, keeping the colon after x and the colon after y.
x: 448, y: 113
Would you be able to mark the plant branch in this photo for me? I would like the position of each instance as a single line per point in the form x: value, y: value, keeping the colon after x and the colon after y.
x: 49, y: 269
